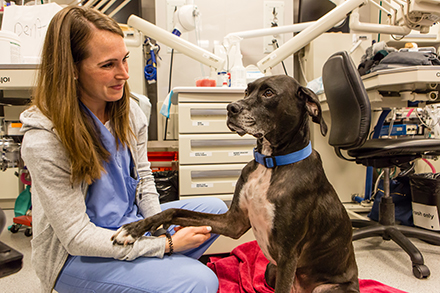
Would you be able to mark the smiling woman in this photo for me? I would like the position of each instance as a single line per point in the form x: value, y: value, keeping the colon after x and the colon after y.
x: 71, y: 67
x: 85, y: 146
x: 103, y: 74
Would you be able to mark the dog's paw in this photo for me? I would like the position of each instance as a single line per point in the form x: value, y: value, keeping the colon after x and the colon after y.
x: 122, y: 237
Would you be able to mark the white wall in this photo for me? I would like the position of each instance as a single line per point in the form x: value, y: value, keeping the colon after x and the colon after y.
x: 218, y: 18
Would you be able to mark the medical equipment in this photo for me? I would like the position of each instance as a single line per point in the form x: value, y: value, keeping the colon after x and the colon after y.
x: 185, y: 19
x: 15, y: 91
x: 399, y: 86
x: 10, y: 153
x: 403, y: 16
x: 181, y: 45
x: 150, y: 69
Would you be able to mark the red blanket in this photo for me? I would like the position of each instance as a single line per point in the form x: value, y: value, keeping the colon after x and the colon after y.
x: 243, y: 271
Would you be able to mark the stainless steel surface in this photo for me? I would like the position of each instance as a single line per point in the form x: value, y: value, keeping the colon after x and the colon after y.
x: 10, y: 153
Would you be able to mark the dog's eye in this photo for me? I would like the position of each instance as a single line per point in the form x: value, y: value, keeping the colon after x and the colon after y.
x: 268, y: 93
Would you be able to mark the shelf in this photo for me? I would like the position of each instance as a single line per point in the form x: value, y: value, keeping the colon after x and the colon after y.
x: 163, y: 144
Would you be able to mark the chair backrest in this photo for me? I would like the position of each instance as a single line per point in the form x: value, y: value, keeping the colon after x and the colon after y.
x: 348, y: 103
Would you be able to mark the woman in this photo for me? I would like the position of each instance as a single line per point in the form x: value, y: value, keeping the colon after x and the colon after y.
x: 85, y: 148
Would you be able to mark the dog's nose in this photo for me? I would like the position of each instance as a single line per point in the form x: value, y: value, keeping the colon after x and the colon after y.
x: 234, y: 108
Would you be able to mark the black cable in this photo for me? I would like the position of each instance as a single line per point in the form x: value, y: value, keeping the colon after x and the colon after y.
x: 274, y: 41
x: 169, y: 90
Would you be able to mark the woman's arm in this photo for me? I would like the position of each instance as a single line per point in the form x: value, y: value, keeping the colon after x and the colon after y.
x: 60, y: 206
x: 147, y: 197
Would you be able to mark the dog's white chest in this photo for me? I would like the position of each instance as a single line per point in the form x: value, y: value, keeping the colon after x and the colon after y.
x: 253, y: 199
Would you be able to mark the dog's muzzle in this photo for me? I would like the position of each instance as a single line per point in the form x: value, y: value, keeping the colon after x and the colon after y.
x: 234, y: 108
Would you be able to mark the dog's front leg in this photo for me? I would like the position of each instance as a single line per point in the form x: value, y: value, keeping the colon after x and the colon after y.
x: 128, y: 233
x: 233, y: 223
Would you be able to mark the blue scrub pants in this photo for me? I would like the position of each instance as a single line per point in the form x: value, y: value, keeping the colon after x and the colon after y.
x: 178, y: 273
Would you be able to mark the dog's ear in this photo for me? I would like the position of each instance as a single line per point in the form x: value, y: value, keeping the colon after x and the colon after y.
x: 313, y: 107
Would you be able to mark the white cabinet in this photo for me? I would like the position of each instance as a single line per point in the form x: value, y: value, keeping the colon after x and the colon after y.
x: 211, y: 157
x: 210, y: 179
x: 210, y: 148
x: 202, y: 117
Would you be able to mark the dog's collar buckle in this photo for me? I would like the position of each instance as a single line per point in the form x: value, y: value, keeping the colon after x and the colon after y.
x: 273, y: 161
x: 269, y: 162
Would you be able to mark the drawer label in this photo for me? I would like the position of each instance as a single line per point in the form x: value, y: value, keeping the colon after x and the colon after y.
x: 240, y: 153
x: 202, y: 185
x: 200, y: 154
x: 200, y: 123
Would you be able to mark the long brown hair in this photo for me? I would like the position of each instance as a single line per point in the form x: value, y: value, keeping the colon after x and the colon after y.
x: 57, y: 94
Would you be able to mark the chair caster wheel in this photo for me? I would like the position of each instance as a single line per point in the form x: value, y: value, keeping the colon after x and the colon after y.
x: 28, y: 232
x: 421, y: 271
x: 15, y: 228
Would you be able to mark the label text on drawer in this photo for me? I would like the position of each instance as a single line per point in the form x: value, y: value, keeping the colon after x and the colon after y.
x: 202, y: 185
x: 240, y: 153
x: 200, y: 123
x: 201, y: 154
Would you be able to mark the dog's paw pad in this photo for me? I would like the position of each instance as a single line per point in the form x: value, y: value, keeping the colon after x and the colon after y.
x: 122, y: 237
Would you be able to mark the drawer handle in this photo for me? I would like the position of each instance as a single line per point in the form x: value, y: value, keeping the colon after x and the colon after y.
x: 223, y: 142
x: 208, y: 112
x: 215, y: 173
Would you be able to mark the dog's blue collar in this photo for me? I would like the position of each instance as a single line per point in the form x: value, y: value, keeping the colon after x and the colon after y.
x: 273, y: 161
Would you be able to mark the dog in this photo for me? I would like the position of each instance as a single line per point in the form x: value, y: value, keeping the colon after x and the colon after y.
x: 297, y: 218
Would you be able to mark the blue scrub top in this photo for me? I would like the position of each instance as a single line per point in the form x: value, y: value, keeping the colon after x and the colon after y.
x: 110, y: 200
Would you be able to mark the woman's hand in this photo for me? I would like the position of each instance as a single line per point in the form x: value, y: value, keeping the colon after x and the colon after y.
x: 189, y: 237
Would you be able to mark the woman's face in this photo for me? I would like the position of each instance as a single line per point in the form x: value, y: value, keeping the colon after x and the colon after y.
x: 103, y: 74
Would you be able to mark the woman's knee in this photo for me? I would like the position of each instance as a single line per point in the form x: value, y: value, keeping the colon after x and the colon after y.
x: 205, y: 281
x: 207, y: 204
x: 212, y: 205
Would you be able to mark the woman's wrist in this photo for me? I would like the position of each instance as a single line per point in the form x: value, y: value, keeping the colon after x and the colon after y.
x: 169, y: 246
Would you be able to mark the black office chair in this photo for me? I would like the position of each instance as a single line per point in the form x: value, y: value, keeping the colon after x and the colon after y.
x: 11, y: 261
x: 350, y: 125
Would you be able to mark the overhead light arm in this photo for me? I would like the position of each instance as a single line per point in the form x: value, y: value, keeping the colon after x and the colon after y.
x: 405, y: 15
x: 181, y: 45
x: 307, y: 35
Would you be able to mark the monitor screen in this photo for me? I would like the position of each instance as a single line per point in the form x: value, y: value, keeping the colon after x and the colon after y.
x: 133, y: 7
x: 311, y: 10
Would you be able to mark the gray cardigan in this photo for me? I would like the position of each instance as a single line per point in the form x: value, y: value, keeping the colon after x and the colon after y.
x: 59, y: 220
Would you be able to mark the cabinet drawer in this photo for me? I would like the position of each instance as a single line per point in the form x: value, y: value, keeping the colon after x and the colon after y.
x: 209, y: 179
x: 215, y: 148
x: 203, y: 118
x: 209, y: 94
x: 225, y: 197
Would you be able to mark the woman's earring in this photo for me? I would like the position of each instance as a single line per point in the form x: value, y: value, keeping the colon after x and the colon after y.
x: 75, y: 78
